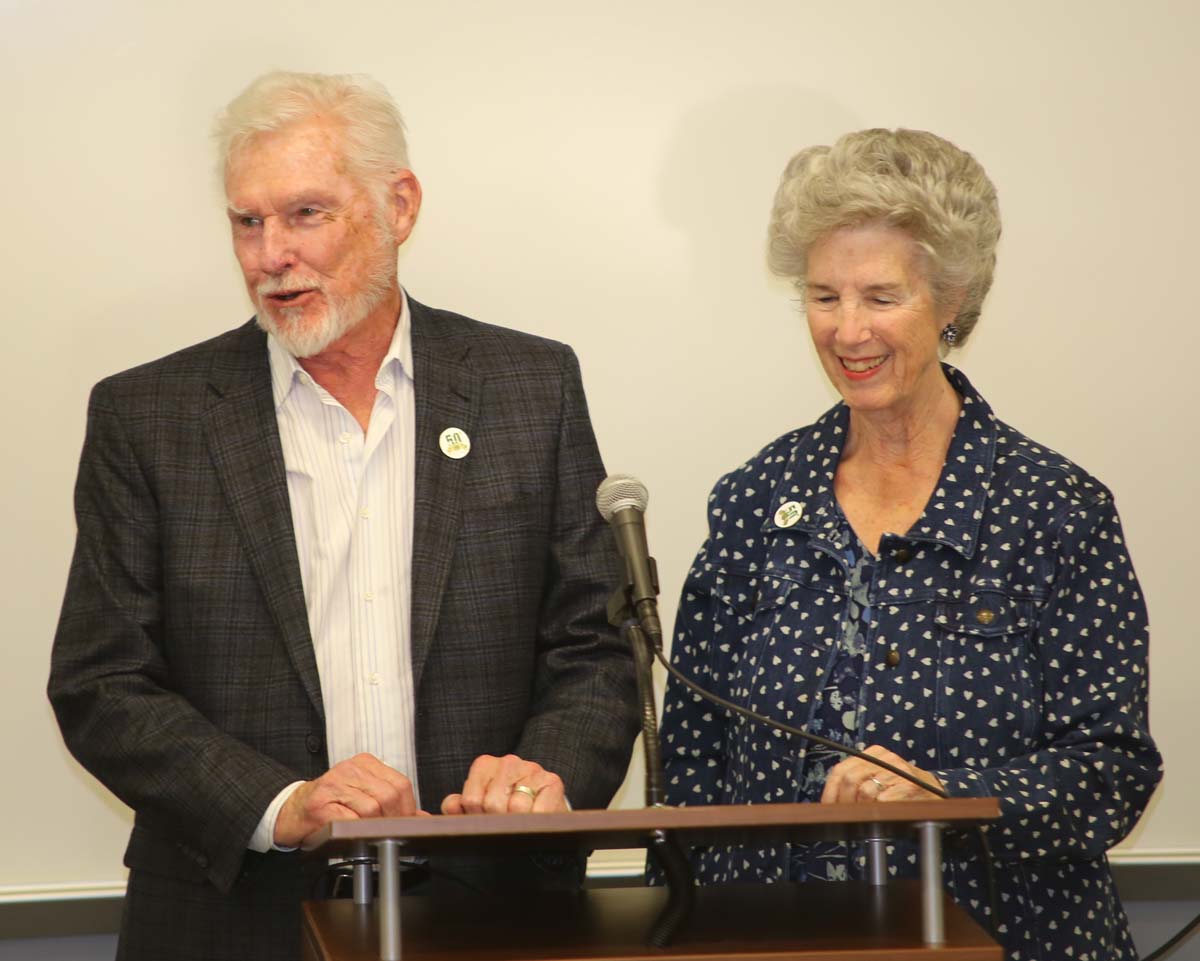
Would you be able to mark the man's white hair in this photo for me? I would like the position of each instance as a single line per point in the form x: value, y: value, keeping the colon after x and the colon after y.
x: 372, y: 128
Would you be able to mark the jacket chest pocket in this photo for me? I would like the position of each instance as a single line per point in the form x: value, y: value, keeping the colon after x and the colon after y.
x: 786, y: 630
x: 988, y: 704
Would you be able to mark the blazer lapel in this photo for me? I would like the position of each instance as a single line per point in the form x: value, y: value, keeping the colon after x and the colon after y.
x: 243, y: 438
x: 447, y: 395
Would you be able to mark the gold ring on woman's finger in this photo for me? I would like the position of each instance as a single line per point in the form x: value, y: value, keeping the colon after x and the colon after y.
x: 880, y: 787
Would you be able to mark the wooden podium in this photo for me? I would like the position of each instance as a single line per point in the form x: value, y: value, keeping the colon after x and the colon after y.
x: 880, y: 919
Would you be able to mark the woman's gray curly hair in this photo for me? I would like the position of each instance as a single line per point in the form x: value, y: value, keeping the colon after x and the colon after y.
x: 909, y: 179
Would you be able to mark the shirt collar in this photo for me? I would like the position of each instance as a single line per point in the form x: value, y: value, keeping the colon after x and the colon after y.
x: 286, y: 371
x: 805, y: 499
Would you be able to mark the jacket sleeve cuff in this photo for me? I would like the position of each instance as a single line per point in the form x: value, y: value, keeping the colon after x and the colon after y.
x: 263, y: 838
x: 963, y: 782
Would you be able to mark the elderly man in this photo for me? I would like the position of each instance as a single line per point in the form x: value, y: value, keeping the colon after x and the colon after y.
x: 341, y: 561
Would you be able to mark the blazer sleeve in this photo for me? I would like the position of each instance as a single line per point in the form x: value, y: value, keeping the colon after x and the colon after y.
x: 583, y: 716
x: 110, y: 681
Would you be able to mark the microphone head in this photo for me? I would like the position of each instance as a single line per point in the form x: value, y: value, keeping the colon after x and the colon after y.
x: 620, y: 491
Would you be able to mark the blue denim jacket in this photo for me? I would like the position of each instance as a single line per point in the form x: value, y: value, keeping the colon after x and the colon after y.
x: 1007, y: 654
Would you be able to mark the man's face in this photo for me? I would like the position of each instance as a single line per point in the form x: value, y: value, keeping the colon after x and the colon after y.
x: 317, y: 253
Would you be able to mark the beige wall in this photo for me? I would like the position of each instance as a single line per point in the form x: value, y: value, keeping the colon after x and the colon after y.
x: 601, y: 173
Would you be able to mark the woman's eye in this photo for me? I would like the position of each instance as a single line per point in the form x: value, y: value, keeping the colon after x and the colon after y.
x: 307, y: 211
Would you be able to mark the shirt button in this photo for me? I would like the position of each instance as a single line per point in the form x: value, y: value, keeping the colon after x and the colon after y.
x: 344, y: 437
x: 365, y: 512
x: 903, y: 555
x: 374, y: 678
x: 368, y: 595
x: 893, y: 657
x: 985, y: 616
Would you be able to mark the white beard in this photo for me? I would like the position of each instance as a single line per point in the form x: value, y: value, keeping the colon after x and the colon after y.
x: 341, y: 314
x: 308, y: 339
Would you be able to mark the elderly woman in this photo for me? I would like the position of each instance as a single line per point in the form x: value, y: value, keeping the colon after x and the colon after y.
x: 911, y: 576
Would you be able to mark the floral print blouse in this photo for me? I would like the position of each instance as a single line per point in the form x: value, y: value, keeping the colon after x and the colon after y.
x: 1001, y: 644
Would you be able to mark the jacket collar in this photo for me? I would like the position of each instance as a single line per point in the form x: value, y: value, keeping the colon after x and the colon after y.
x: 243, y: 440
x: 448, y: 391
x: 804, y: 501
x: 243, y: 437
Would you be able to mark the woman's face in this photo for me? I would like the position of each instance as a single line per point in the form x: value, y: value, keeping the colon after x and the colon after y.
x: 873, y: 319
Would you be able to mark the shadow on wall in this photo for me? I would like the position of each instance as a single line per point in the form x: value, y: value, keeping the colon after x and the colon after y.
x: 754, y: 130
x: 746, y: 343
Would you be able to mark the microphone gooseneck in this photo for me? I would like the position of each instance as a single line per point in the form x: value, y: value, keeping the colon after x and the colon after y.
x: 622, y: 500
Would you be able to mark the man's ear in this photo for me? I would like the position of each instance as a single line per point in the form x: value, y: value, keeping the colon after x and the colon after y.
x: 405, y: 197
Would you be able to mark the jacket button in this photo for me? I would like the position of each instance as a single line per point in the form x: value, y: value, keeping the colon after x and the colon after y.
x: 313, y: 743
x: 893, y: 657
x: 903, y: 555
x: 985, y: 616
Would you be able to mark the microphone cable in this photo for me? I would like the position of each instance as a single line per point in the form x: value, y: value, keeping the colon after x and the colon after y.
x: 625, y: 495
x: 729, y: 706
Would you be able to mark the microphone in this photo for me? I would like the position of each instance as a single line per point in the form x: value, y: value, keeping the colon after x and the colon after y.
x: 621, y: 500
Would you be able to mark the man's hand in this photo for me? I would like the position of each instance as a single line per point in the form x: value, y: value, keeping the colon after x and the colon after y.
x: 362, y: 787
x: 491, y: 786
x: 857, y: 780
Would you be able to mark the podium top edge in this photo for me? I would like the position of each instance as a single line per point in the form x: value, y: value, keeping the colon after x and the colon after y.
x: 632, y: 827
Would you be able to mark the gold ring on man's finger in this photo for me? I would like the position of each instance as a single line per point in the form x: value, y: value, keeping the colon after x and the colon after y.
x: 526, y: 790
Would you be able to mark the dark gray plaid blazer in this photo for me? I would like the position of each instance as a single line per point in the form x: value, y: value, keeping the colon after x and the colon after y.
x: 183, y: 674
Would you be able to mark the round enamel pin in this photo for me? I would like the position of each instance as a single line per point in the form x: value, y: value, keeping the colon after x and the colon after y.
x: 455, y: 443
x: 788, y: 514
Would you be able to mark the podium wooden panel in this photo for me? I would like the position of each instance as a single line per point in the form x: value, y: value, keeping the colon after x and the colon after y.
x: 779, y: 922
x: 826, y: 921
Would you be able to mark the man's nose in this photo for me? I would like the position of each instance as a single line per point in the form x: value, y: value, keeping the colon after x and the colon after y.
x: 278, y: 250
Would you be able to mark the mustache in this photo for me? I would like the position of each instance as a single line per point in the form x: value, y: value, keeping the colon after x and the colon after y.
x: 285, y: 285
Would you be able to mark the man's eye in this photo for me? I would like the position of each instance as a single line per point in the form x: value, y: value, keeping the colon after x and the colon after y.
x: 307, y: 212
x: 248, y: 221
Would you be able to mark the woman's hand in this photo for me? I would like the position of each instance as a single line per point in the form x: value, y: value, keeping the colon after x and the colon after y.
x: 857, y: 780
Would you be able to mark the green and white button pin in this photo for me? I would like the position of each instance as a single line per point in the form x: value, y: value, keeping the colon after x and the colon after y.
x: 455, y: 443
x: 788, y: 514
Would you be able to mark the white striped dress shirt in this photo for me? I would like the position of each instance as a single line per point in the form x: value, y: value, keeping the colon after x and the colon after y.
x: 352, y: 511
